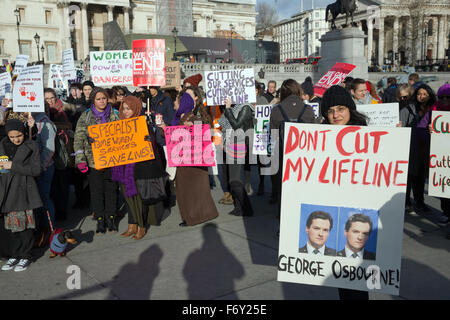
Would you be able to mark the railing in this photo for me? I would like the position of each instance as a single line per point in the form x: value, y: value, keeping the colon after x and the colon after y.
x: 268, y: 68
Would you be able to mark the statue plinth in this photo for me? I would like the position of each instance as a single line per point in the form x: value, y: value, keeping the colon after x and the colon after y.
x: 347, y: 46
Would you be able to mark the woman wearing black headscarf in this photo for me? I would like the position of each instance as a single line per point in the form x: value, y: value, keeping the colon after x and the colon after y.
x: 19, y: 195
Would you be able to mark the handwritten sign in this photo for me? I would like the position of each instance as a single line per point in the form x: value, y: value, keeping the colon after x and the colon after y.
x: 21, y: 62
x: 236, y: 85
x: 149, y: 58
x: 120, y: 142
x: 351, y: 180
x: 5, y: 84
x: 173, y: 74
x: 382, y: 115
x: 69, y: 71
x: 439, y: 174
x: 261, y: 135
x: 333, y: 77
x: 189, y: 146
x: 55, y: 77
x: 111, y: 68
x: 28, y: 94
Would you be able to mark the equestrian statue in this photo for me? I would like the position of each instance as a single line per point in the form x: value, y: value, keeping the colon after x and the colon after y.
x: 347, y: 7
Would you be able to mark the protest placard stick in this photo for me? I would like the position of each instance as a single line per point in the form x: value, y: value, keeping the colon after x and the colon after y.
x: 148, y: 102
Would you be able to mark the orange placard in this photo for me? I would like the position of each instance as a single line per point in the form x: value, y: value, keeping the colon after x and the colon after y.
x: 120, y: 142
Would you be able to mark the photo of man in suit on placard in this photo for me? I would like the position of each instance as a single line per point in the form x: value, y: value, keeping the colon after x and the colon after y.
x: 357, y: 231
x: 318, y: 227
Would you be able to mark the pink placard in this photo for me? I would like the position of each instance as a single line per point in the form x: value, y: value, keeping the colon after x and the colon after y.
x: 189, y: 146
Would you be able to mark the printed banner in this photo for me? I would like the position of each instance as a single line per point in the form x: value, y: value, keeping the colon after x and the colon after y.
x: 342, y: 206
x: 21, y: 62
x: 261, y: 135
x: 439, y: 174
x: 120, y: 142
x: 111, y: 68
x: 237, y: 85
x: 69, y: 72
x: 28, y: 95
x: 381, y: 115
x: 55, y: 77
x: 173, y: 75
x: 189, y: 146
x: 334, y: 76
x: 5, y: 84
x: 149, y: 62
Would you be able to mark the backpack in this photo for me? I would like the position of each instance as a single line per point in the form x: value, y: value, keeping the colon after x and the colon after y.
x: 282, y: 125
x: 61, y: 157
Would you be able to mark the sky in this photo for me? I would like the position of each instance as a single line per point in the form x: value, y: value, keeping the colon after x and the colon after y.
x: 287, y: 8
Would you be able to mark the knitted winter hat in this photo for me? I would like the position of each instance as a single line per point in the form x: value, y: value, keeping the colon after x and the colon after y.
x: 194, y: 80
x: 336, y: 96
x: 308, y: 87
x: 444, y: 90
x: 14, y: 124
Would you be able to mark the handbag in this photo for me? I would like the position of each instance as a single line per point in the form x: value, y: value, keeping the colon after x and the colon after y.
x: 152, y: 190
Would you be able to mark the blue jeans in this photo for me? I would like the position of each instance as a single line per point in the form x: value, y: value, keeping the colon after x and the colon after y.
x: 44, y: 183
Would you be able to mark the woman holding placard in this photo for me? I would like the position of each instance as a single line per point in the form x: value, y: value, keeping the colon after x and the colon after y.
x: 103, y: 189
x: 142, y: 183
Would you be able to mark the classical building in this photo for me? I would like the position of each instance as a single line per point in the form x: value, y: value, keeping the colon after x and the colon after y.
x: 403, y: 32
x: 299, y: 36
x: 61, y: 24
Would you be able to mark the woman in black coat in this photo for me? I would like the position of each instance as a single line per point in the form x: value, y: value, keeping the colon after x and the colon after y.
x: 19, y: 195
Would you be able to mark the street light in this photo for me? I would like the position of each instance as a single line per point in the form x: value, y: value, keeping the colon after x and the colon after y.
x: 17, y: 14
x: 37, y: 38
x: 175, y: 32
x: 260, y: 45
x: 42, y: 50
x: 256, y: 47
x: 231, y: 42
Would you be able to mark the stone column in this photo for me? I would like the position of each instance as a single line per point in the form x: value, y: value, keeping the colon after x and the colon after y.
x: 64, y: 21
x: 435, y: 38
x: 369, y: 40
x: 85, y: 31
x: 409, y: 42
x: 126, y: 20
x: 110, y: 13
x: 381, y: 42
x: 395, y: 41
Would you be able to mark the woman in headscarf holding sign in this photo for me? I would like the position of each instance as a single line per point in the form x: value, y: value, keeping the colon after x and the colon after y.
x: 103, y: 189
x: 142, y: 183
x: 19, y: 195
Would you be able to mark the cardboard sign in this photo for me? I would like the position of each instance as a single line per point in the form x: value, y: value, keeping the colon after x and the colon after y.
x: 69, y: 72
x: 236, y: 85
x: 5, y: 84
x: 111, y: 68
x: 189, y: 146
x: 338, y: 182
x: 55, y: 77
x: 381, y: 115
x: 261, y: 135
x: 333, y: 77
x: 21, y: 62
x: 120, y: 142
x: 173, y: 75
x: 28, y: 95
x: 149, y: 58
x: 439, y: 174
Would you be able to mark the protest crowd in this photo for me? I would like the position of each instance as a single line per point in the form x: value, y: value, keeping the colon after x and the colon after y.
x: 44, y: 154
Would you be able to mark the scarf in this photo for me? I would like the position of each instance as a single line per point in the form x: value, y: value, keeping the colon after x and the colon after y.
x: 186, y: 106
x: 10, y: 148
x: 125, y: 175
x: 101, y: 117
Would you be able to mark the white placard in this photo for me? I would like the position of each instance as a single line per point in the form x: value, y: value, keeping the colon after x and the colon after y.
x: 382, y: 114
x: 237, y: 85
x: 261, y: 134
x: 69, y: 72
x: 439, y: 174
x: 315, y: 107
x: 351, y: 174
x: 112, y: 68
x: 5, y: 84
x: 55, y: 77
x: 21, y: 62
x: 28, y: 94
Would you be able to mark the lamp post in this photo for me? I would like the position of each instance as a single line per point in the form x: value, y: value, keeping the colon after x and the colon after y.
x: 231, y: 42
x: 17, y: 14
x: 42, y: 51
x: 37, y: 38
x: 260, y: 40
x: 256, y: 47
x: 175, y: 33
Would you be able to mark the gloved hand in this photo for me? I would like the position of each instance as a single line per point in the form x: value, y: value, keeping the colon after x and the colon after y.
x: 148, y: 138
x: 90, y: 140
x: 82, y: 166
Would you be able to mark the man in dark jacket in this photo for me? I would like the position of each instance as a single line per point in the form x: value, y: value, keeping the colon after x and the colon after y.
x: 390, y: 94
x: 162, y: 105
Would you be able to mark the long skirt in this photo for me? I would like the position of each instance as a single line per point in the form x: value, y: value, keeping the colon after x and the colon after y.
x: 194, y: 195
x: 140, y: 213
x: 15, y: 244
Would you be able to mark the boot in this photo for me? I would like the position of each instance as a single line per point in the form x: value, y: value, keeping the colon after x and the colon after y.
x: 242, y: 202
x: 101, y: 227
x: 261, y: 188
x: 110, y: 223
x: 140, y: 233
x: 132, y: 229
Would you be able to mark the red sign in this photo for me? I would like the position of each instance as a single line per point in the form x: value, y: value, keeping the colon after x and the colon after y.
x: 334, y: 76
x: 149, y: 57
